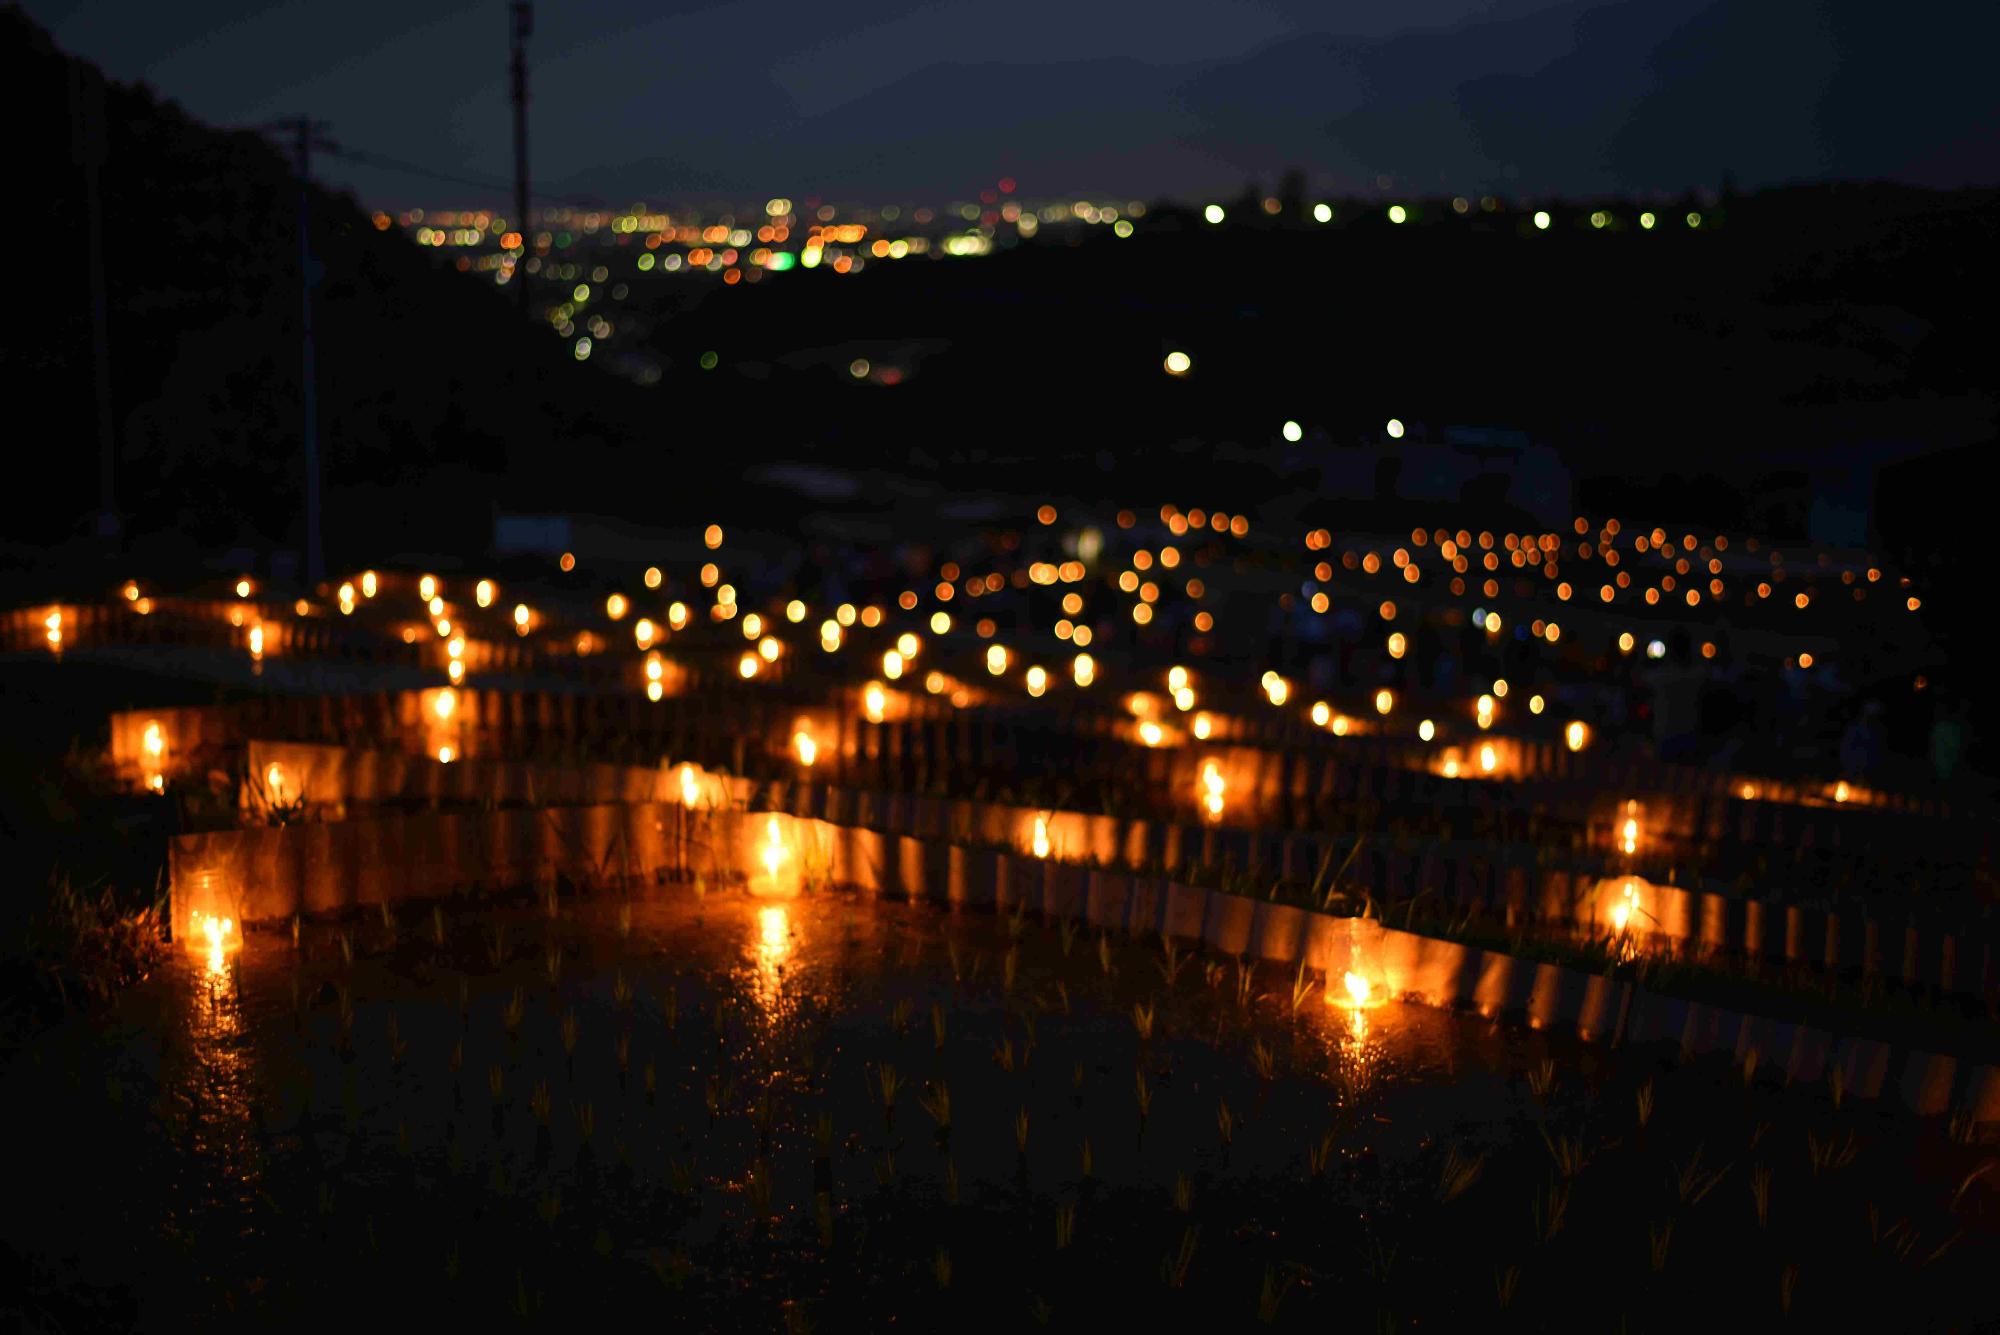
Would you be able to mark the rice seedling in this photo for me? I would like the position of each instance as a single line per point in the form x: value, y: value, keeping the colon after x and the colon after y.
x: 757, y: 1187
x: 1960, y: 1128
x: 1174, y: 1267
x: 437, y: 926
x: 1658, y: 1238
x: 1262, y: 1060
x: 951, y: 953
x: 624, y: 922
x: 1971, y: 1177
x: 568, y: 1033
x: 670, y: 1009
x: 1381, y: 1260
x: 517, y: 1006
x: 1505, y: 1280
x: 1567, y: 1151
x: 891, y: 1084
x: 649, y: 1080
x: 899, y: 1016
x: 1144, y: 1094
x: 1089, y: 1163
x: 1172, y: 961
x: 398, y: 1047
x: 1183, y: 1193
x: 1065, y: 1225
x: 1302, y: 989
x: 496, y: 1083
x: 1836, y: 1084
x: 1458, y: 1174
x: 496, y: 944
x: 1317, y: 1154
x: 1548, y: 1208
x: 538, y: 1103
x: 1246, y: 980
x: 1645, y: 1101
x: 1212, y: 972
x: 346, y: 947
x: 552, y: 963
x: 1225, y: 1122
x: 1830, y: 1154
x: 1010, y: 965
x: 1066, y: 931
x: 1691, y: 1183
x: 621, y: 993
x: 1542, y: 1079
x: 1788, y: 1283
x: 941, y: 1268
x: 621, y: 1052
x: 1017, y: 922
x: 951, y: 1181
x: 1142, y: 1020
x: 295, y: 932
x: 937, y: 1028
x: 1003, y: 1053
x: 1021, y: 1131
x: 885, y: 1168
x: 1272, y: 1293
x: 1750, y: 1060
x: 1104, y: 955
x: 936, y: 1100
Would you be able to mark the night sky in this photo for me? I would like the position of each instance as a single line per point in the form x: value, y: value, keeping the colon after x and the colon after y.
x: 1116, y: 97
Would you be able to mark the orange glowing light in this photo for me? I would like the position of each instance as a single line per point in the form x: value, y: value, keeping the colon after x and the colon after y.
x: 1041, y: 838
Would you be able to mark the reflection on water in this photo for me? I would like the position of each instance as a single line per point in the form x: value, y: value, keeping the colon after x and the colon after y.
x: 224, y: 1172
x: 768, y: 955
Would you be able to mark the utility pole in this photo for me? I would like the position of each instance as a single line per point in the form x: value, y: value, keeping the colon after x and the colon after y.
x: 86, y: 87
x: 305, y: 134
x: 522, y: 13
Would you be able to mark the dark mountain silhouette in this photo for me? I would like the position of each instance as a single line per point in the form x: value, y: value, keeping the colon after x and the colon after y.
x: 434, y: 396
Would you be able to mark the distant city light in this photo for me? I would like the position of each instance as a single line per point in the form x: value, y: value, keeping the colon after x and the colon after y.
x: 1322, y: 213
x: 1179, y: 363
x: 1293, y: 432
x: 1541, y: 220
x: 1395, y: 428
x: 1397, y: 213
x: 1213, y: 213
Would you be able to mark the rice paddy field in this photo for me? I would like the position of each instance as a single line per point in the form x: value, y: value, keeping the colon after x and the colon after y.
x: 836, y: 1112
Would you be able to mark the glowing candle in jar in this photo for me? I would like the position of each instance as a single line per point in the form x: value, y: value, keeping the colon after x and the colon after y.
x: 807, y: 748
x: 1322, y: 714
x: 482, y: 593
x: 257, y: 641
x: 1426, y: 730
x: 1041, y: 842
x: 1575, y: 735
x: 690, y: 790
x: 892, y: 665
x: 1038, y: 681
x: 746, y: 666
x: 368, y: 584
x: 1358, y: 989
x: 1213, y: 785
x: 427, y: 587
x: 1385, y: 700
x: 1150, y: 733
x: 1488, y: 759
x: 1203, y: 725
